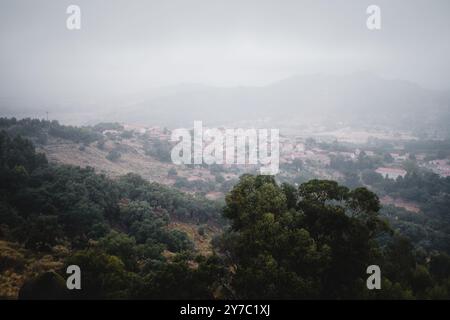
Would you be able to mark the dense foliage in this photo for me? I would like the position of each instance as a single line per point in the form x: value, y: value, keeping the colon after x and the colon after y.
x: 39, y: 130
x: 429, y: 229
x: 316, y: 241
x: 311, y: 241
x: 124, y: 221
x: 158, y: 149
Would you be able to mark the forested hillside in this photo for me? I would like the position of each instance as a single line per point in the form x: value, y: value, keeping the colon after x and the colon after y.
x: 43, y: 206
x: 279, y: 241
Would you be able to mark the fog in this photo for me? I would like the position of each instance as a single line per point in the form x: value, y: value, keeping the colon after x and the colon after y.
x: 128, y: 48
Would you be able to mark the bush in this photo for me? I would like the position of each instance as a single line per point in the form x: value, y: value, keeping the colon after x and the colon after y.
x: 172, y: 172
x: 160, y: 150
x: 202, y: 231
x: 113, y: 155
x: 126, y: 134
x: 101, y: 144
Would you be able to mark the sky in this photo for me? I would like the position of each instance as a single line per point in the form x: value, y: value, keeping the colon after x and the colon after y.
x: 125, y: 47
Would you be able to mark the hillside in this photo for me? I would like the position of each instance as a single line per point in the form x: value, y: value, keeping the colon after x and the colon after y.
x: 116, y: 150
x: 134, y: 238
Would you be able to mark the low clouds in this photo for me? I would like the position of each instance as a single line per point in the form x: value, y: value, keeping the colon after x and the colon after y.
x: 130, y: 46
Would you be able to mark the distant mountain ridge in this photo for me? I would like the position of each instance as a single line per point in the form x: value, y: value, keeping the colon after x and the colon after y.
x: 360, y: 97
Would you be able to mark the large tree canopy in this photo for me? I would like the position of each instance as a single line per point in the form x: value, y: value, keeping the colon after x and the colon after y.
x: 314, y: 241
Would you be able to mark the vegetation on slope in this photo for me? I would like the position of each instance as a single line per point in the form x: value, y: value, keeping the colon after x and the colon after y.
x: 312, y: 241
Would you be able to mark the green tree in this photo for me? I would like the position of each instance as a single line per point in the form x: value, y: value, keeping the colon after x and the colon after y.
x: 104, y: 276
x: 313, y: 242
x: 122, y: 246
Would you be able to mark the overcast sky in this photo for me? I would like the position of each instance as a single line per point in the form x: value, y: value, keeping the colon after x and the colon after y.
x: 127, y: 46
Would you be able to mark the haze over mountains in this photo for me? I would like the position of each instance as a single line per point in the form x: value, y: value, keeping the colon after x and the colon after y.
x: 231, y: 57
x: 356, y: 99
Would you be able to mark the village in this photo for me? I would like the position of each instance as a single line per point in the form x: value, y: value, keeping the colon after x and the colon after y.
x: 370, y: 157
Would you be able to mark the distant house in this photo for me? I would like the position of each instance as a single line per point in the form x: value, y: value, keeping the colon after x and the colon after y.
x: 110, y: 132
x: 441, y: 167
x: 420, y: 156
x: 399, y: 157
x: 439, y: 162
x: 391, y: 173
x: 443, y: 171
